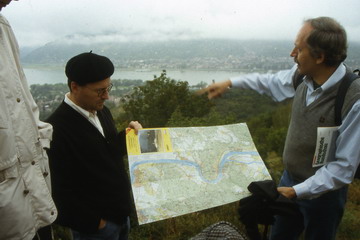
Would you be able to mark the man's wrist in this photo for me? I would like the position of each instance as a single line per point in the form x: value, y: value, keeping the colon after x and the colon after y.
x: 102, y: 223
x: 301, y: 190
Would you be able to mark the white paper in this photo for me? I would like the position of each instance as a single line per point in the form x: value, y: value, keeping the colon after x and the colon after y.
x: 325, y: 145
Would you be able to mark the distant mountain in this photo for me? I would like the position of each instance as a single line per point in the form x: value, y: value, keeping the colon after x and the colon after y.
x: 24, y: 51
x: 60, y: 51
x: 179, y: 54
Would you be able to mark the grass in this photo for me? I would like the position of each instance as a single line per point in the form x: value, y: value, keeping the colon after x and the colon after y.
x: 187, y: 226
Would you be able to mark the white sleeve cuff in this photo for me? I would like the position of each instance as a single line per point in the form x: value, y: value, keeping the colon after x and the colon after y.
x: 302, y: 190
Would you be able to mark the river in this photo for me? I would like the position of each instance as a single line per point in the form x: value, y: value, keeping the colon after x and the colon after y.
x: 193, y: 77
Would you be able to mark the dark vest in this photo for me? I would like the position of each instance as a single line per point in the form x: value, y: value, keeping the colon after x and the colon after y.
x: 301, y: 138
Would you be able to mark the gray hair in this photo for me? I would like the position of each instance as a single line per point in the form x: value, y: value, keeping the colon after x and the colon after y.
x: 328, y: 37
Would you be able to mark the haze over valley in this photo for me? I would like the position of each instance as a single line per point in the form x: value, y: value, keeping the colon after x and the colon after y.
x: 202, y: 54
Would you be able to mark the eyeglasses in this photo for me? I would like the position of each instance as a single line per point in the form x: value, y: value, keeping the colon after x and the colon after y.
x: 102, y: 91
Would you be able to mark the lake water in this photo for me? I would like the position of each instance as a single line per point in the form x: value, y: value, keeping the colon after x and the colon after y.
x: 193, y: 77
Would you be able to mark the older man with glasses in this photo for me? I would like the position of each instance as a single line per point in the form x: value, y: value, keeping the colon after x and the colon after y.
x: 90, y: 185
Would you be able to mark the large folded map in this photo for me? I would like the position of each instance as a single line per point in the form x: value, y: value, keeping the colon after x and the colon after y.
x: 175, y: 171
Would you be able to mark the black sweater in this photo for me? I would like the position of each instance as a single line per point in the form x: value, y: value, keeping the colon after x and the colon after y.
x: 89, y: 181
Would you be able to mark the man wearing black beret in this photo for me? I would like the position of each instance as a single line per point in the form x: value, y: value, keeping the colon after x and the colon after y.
x: 90, y: 185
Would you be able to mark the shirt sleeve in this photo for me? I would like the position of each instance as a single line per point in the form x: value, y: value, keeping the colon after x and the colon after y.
x: 336, y: 174
x: 278, y: 86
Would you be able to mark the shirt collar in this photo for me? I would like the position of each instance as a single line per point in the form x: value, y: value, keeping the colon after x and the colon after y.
x: 79, y: 109
x: 333, y: 79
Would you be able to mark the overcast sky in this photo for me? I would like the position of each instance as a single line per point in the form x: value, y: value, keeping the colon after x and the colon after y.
x: 37, y: 22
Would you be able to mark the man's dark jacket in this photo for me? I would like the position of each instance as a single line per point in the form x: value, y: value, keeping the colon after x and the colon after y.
x: 89, y: 181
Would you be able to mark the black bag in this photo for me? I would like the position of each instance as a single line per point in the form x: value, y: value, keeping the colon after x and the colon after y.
x: 340, y: 97
x: 261, y: 207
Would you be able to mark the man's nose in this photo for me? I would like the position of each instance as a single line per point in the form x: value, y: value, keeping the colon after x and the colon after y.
x: 293, y: 53
x: 105, y: 95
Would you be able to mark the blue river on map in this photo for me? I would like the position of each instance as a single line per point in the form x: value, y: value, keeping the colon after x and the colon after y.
x: 223, y: 161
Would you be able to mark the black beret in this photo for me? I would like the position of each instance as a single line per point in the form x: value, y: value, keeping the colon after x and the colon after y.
x: 88, y: 68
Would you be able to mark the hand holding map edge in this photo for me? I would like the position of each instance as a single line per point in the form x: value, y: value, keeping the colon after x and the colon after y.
x: 135, y: 125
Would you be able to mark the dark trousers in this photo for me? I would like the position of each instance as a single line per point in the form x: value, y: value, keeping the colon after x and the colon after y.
x: 320, y: 216
x: 111, y: 231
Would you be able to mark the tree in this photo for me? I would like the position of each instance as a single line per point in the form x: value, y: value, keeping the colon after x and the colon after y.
x: 211, y: 119
x: 154, y: 103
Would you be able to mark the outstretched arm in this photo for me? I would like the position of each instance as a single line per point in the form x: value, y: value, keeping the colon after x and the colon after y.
x: 216, y: 89
x: 278, y: 86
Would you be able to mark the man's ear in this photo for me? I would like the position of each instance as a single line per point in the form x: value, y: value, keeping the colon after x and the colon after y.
x: 74, y: 86
x: 320, y: 59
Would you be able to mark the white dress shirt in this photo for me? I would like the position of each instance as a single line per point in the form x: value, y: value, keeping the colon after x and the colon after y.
x: 91, y: 117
